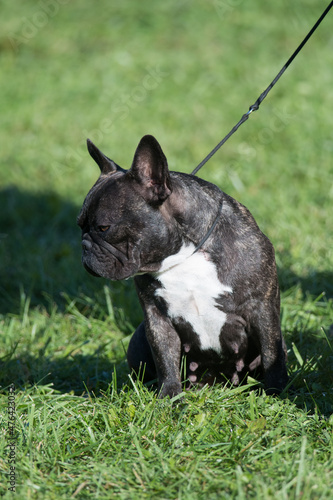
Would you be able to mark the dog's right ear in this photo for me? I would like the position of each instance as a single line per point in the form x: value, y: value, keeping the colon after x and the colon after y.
x: 150, y: 170
x: 106, y: 165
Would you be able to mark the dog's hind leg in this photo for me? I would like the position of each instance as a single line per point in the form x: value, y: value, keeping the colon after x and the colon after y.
x: 139, y: 356
x: 266, y: 323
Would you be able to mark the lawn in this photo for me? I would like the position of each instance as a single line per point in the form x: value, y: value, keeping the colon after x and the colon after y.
x: 73, y: 423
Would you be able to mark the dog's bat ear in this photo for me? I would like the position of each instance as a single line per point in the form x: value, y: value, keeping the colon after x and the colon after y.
x: 150, y: 169
x: 106, y: 165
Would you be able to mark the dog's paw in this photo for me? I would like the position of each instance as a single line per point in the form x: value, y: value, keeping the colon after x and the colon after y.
x: 170, y: 389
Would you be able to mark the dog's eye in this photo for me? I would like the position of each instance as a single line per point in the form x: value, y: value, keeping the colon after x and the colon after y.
x: 103, y: 228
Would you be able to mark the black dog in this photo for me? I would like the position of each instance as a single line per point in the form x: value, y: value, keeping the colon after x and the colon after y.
x: 204, y: 272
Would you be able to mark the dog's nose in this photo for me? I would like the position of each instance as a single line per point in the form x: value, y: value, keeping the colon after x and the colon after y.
x: 86, y: 245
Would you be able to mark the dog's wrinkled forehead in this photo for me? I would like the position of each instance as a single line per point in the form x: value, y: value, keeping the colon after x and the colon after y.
x: 107, y: 191
x: 115, y: 196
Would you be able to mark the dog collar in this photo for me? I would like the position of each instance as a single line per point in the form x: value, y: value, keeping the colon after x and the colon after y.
x: 211, y: 229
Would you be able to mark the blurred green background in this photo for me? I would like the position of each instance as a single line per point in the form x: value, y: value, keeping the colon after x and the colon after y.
x: 184, y: 71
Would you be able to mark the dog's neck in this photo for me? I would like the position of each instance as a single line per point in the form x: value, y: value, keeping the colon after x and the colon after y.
x: 196, y: 212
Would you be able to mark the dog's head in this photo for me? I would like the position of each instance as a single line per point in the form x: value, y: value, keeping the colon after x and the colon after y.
x: 124, y: 222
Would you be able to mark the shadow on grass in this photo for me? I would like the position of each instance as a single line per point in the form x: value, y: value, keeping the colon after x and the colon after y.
x: 40, y: 262
x: 78, y: 374
x: 40, y: 255
x: 313, y: 283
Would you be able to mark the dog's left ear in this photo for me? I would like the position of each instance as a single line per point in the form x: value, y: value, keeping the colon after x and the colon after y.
x: 106, y: 165
x: 150, y: 169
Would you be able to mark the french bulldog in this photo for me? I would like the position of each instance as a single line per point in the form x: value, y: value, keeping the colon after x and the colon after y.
x: 204, y: 272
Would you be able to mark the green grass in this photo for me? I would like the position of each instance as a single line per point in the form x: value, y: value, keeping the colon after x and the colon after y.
x: 72, y: 70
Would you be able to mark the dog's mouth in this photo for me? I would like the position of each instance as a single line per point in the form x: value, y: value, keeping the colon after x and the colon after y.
x: 89, y: 270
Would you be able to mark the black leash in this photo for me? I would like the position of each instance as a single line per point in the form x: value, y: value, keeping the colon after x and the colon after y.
x: 256, y: 105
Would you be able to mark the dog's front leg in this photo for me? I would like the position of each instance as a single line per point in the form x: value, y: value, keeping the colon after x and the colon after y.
x: 166, y: 349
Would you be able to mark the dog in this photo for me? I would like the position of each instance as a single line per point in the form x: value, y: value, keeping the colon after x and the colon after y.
x: 204, y: 273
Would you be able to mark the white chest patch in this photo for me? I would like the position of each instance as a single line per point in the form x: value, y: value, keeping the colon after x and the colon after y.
x: 190, y: 286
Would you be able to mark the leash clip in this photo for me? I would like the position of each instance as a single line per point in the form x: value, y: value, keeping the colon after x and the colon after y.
x: 254, y: 107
